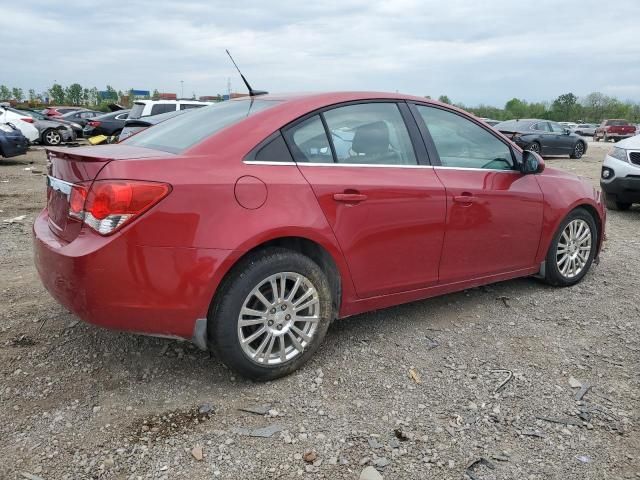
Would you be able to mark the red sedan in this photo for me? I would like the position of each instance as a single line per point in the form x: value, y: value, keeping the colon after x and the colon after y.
x: 248, y: 226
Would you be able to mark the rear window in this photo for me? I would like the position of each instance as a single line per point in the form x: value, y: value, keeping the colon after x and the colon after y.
x: 617, y: 123
x: 136, y: 110
x: 179, y: 133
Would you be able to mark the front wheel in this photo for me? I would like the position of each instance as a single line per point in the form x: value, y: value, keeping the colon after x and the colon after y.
x: 271, y: 314
x: 572, y: 250
x: 613, y: 204
x: 578, y: 150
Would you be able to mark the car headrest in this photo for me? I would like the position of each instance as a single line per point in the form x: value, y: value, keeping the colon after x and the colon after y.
x: 371, y: 138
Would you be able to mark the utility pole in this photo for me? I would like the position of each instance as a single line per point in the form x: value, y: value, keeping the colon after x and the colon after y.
x: 229, y: 87
x: 181, y: 88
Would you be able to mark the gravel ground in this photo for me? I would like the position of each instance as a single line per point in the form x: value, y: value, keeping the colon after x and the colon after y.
x: 411, y: 392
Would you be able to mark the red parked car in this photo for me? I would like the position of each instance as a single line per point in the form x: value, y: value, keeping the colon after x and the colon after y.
x: 249, y: 225
x: 59, y: 111
x: 614, y: 130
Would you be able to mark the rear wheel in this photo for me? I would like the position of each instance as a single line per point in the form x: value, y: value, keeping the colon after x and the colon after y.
x: 572, y: 250
x: 51, y: 137
x: 596, y: 138
x: 271, y: 314
x: 605, y: 138
x: 578, y: 150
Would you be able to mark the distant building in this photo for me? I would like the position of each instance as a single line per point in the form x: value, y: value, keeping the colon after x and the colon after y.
x: 210, y: 98
x: 167, y: 96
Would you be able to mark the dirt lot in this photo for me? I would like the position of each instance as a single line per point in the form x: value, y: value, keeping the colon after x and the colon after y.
x: 78, y: 402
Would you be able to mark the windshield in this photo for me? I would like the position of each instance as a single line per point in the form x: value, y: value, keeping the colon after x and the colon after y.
x: 179, y: 133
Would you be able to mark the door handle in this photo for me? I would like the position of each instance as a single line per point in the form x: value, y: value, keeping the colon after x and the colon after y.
x: 464, y: 198
x: 349, y: 197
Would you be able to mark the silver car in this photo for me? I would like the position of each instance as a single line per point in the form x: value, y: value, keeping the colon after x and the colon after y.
x: 52, y: 132
x: 585, y: 129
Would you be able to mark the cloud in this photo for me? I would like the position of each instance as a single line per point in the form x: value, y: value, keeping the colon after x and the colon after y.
x: 475, y: 52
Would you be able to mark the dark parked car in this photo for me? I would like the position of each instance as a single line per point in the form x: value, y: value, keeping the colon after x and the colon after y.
x: 80, y: 118
x: 543, y: 137
x: 12, y: 141
x: 108, y: 124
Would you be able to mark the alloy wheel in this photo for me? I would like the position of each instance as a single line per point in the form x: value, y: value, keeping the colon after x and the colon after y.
x: 52, y: 137
x: 578, y: 150
x: 534, y: 147
x: 279, y: 318
x: 574, y: 248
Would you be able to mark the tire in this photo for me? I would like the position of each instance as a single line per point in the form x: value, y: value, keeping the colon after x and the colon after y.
x: 535, y: 147
x: 596, y: 138
x: 578, y: 150
x: 258, y: 272
x: 605, y: 138
x: 555, y: 264
x: 613, y: 204
x: 51, y: 137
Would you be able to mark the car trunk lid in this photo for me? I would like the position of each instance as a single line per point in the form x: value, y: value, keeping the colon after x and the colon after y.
x: 68, y: 167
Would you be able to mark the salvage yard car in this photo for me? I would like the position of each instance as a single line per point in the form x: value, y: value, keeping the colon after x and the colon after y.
x: 107, y: 124
x: 614, y: 130
x: 242, y: 226
x: 620, y: 177
x: 543, y: 137
x: 51, y: 131
x: 146, y: 108
x: 12, y: 141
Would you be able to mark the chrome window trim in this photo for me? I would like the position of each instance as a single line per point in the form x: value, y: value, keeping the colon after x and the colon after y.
x: 374, y: 165
x: 368, y: 165
x: 59, y: 185
x: 258, y: 162
x: 477, y: 169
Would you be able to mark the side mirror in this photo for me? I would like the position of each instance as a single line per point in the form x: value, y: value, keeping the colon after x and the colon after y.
x: 567, y: 131
x: 531, y: 163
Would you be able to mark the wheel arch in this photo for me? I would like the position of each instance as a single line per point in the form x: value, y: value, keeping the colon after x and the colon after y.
x: 328, y: 257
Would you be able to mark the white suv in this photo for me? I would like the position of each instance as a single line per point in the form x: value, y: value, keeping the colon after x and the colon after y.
x: 620, y: 177
x: 147, y: 108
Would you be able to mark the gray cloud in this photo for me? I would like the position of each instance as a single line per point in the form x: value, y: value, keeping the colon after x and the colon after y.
x: 475, y: 52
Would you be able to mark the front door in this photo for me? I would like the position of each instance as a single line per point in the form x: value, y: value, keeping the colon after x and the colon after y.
x: 494, y: 213
x: 386, y: 209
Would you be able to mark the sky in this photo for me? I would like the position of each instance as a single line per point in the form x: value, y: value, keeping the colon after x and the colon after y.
x: 473, y: 51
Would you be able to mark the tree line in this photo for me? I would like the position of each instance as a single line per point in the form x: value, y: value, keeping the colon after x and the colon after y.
x: 591, y: 108
x: 74, y: 94
x: 566, y: 108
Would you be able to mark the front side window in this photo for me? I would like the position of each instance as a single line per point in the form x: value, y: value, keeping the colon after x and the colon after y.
x: 187, y: 106
x: 462, y: 143
x: 309, y: 142
x: 370, y: 133
x: 557, y: 128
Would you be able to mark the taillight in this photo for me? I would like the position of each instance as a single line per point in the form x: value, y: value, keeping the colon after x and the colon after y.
x: 110, y: 204
x: 27, y: 119
x: 94, y: 123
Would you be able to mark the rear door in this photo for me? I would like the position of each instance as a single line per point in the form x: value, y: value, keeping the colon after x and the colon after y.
x: 379, y: 194
x: 543, y: 129
x: 494, y: 212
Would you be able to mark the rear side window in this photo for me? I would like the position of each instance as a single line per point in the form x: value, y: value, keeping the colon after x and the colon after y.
x: 183, y: 131
x: 159, y: 108
x: 309, y: 142
x: 542, y: 126
x: 370, y: 133
x: 275, y: 150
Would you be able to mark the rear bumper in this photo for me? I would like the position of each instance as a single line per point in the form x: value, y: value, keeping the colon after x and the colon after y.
x: 114, y: 283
